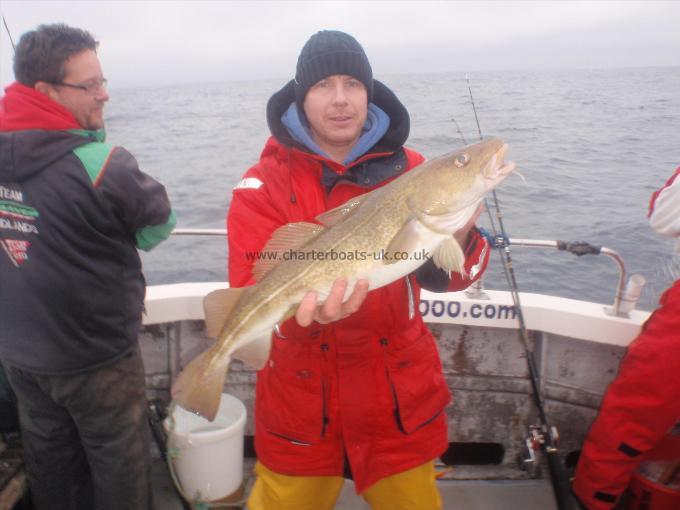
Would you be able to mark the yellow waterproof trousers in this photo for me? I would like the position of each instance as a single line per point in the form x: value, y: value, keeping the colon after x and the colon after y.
x: 414, y: 489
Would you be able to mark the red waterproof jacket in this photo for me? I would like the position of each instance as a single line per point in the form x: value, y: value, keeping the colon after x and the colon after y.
x: 643, y: 403
x: 367, y: 389
x: 640, y: 407
x: 664, y: 207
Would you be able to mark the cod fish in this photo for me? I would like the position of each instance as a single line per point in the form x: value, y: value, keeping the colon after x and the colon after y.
x: 383, y: 235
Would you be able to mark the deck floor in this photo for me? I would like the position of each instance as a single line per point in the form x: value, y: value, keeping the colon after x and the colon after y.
x: 456, y: 494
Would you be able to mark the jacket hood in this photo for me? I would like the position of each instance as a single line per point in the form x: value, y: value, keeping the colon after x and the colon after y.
x: 35, y: 131
x: 23, y: 108
x: 383, y: 97
x: 26, y: 153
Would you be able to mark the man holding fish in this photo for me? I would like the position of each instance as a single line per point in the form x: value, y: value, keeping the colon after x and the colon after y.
x: 353, y: 385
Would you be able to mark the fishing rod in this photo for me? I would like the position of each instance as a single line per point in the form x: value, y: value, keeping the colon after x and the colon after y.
x: 4, y: 21
x: 544, y: 436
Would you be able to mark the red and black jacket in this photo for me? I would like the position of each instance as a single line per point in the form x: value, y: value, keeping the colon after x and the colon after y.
x: 73, y: 211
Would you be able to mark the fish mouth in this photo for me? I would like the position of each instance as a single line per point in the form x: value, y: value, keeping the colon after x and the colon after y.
x: 498, y: 168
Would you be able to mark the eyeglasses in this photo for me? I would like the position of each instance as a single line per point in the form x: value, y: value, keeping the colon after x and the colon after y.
x: 90, y: 88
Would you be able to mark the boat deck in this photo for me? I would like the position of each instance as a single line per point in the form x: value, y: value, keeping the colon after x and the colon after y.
x: 456, y: 494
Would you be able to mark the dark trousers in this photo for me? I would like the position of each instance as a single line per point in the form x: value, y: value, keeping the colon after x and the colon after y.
x: 86, y: 436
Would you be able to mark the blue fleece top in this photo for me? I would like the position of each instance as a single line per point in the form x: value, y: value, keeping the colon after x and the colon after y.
x: 377, y: 124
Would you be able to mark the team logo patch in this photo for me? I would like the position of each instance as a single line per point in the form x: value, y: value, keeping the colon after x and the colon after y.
x: 16, y: 250
x: 20, y: 211
x: 16, y: 219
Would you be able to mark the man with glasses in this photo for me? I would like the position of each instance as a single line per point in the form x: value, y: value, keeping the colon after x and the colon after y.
x: 73, y: 211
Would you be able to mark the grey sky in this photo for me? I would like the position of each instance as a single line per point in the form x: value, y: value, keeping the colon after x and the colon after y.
x: 159, y: 42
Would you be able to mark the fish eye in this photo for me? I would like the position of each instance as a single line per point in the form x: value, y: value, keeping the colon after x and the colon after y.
x: 461, y: 160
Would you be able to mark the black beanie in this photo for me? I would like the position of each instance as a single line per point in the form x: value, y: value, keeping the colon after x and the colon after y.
x: 327, y: 53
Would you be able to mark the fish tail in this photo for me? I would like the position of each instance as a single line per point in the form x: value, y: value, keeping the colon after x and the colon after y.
x: 198, y: 388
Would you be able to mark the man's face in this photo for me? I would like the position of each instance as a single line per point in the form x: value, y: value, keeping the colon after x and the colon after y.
x: 336, y: 108
x: 87, y: 106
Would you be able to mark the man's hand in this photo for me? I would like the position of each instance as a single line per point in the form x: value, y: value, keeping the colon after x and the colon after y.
x: 334, y: 308
x: 463, y: 234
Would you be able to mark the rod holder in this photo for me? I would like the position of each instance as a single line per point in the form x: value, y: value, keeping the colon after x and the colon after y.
x: 632, y: 293
x: 629, y: 297
x: 476, y: 290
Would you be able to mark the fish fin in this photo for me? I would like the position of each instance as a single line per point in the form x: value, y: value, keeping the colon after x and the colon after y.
x: 198, y: 388
x: 407, y: 240
x: 217, y: 306
x: 288, y: 237
x: 256, y: 352
x: 450, y: 257
x: 337, y: 215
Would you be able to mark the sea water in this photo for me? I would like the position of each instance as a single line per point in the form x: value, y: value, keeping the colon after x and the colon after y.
x: 592, y: 146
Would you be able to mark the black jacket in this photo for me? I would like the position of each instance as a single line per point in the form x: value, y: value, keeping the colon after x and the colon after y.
x: 71, y: 285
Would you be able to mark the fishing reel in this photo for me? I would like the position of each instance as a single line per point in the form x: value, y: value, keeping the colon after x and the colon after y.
x: 536, y: 441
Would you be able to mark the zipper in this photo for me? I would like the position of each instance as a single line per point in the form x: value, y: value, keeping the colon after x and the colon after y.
x: 411, y: 299
x: 291, y: 439
x: 324, y: 390
x: 384, y: 342
x: 428, y: 421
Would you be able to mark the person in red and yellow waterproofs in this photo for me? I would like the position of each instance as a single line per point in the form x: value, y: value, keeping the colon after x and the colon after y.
x: 642, y: 404
x: 353, y: 386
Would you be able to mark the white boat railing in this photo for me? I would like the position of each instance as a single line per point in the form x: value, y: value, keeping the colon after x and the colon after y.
x: 625, y: 298
x: 220, y: 232
x: 626, y: 295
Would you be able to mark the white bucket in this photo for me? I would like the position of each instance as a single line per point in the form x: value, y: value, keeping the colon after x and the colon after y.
x: 209, y: 460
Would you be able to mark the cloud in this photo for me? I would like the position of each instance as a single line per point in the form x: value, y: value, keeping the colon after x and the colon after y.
x: 160, y: 42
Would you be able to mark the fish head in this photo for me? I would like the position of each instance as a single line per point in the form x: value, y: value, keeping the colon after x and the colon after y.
x: 461, y: 178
